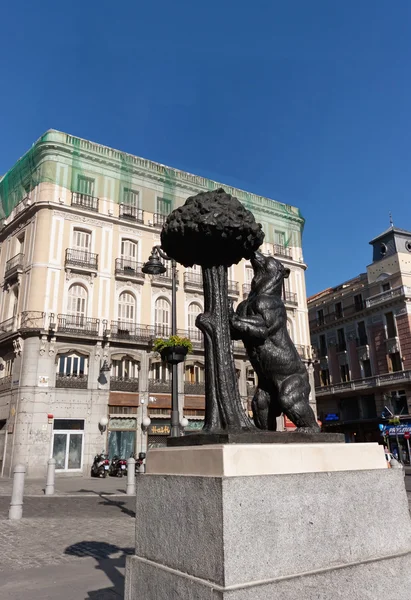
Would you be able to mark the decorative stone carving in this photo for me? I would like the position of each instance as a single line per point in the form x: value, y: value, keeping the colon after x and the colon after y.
x: 352, y: 336
x: 135, y: 232
x: 84, y: 276
x: 132, y: 284
x: 18, y: 346
x: 52, y: 346
x: 43, y: 345
x: 80, y: 219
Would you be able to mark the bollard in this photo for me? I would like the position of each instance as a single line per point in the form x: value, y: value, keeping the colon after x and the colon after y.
x: 51, y: 466
x: 131, y: 476
x: 16, y: 504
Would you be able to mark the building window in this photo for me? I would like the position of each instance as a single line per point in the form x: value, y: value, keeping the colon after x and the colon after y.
x: 362, y: 333
x: 249, y: 274
x: 81, y: 240
x: 122, y: 410
x: 131, y: 198
x: 386, y: 287
x: 129, y: 250
x: 395, y: 362
x: 345, y: 373
x: 338, y: 310
x: 399, y: 402
x: 160, y: 371
x: 72, y: 365
x: 194, y: 310
x: 126, y: 308
x: 358, y: 302
x: 20, y: 244
x: 163, y: 206
x: 162, y: 317
x: 320, y: 317
x: 194, y: 374
x: 126, y: 368
x: 341, y: 340
x: 279, y: 238
x: 323, y: 346
x: 391, y: 328
x: 325, y: 377
x: 85, y: 185
x: 366, y: 368
x: 77, y: 301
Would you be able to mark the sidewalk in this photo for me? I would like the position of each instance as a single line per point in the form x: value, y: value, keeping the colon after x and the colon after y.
x: 70, y: 485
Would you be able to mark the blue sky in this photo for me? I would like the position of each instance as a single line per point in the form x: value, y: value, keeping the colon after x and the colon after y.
x: 308, y: 103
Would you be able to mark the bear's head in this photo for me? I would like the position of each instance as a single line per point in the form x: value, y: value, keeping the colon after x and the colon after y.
x: 269, y: 274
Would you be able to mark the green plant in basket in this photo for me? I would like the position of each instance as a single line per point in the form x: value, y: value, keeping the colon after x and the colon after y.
x: 174, y: 341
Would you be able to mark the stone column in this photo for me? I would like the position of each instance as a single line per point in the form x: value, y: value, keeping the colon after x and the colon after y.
x: 142, y: 411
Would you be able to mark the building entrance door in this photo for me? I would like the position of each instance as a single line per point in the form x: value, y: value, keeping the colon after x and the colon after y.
x: 68, y: 444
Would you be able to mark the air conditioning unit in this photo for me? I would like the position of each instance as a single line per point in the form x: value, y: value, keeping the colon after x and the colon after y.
x: 110, y: 212
x: 61, y: 200
x: 150, y: 223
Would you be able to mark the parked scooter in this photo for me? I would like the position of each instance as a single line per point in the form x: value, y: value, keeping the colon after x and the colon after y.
x: 118, y: 467
x: 100, y: 465
x: 140, y: 465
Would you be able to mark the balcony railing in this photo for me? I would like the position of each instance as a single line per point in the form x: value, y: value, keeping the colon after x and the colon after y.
x: 246, y: 289
x: 5, y: 383
x: 124, y: 384
x: 72, y: 381
x: 126, y: 267
x: 32, y: 320
x: 194, y: 389
x: 8, y: 326
x: 78, y: 324
x: 397, y: 292
x: 164, y: 279
x: 159, y: 386
x: 194, y: 335
x: 14, y: 265
x: 131, y: 213
x: 81, y: 259
x: 84, y: 201
x: 233, y: 288
x: 250, y: 390
x: 280, y: 250
x: 159, y: 219
x: 366, y: 382
x: 193, y: 281
x: 290, y: 298
x: 130, y: 332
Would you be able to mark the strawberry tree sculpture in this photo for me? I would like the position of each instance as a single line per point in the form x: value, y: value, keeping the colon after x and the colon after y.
x: 215, y: 231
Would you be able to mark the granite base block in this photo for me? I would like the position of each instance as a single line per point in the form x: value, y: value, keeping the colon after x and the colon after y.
x: 255, y: 437
x: 316, y: 535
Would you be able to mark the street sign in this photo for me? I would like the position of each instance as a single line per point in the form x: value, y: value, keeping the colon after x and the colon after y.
x: 407, y: 435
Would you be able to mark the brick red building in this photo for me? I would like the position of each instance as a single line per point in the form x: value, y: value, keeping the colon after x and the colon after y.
x: 361, y: 335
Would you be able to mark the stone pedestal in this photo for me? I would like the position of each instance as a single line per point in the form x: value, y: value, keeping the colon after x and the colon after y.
x: 271, y: 521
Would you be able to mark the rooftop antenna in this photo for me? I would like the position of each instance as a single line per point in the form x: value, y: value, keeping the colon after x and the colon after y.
x: 391, y: 221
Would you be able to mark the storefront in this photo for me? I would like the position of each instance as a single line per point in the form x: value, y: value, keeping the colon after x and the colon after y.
x: 122, y: 436
x: 68, y: 444
x: 397, y: 439
x: 158, y: 432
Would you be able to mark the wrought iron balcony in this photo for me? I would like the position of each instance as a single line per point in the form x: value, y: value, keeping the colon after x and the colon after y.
x: 246, y: 289
x: 290, y: 298
x: 159, y: 219
x: 159, y: 386
x: 131, y: 213
x: 365, y: 383
x: 250, y: 390
x: 194, y: 388
x: 127, y: 268
x: 130, y: 332
x: 84, y: 201
x: 81, y: 259
x: 78, y: 324
x: 280, y: 250
x: 8, y: 326
x: 233, y: 288
x: 388, y: 295
x: 32, y: 320
x: 71, y: 381
x: 5, y: 383
x: 194, y: 335
x: 14, y: 266
x: 193, y: 281
x: 164, y: 279
x: 124, y: 384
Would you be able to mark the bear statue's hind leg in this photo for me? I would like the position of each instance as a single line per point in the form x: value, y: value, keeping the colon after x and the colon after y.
x: 294, y: 394
x: 260, y: 406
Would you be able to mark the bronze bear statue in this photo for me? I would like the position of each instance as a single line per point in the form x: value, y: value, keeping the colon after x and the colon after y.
x: 260, y: 322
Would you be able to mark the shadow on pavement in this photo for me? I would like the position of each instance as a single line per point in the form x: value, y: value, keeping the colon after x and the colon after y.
x: 109, y: 502
x: 104, y: 553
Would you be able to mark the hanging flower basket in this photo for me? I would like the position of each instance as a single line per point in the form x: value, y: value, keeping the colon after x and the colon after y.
x: 174, y: 354
x: 174, y: 349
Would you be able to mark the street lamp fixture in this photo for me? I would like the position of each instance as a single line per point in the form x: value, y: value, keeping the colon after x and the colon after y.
x: 103, y: 424
x: 154, y: 266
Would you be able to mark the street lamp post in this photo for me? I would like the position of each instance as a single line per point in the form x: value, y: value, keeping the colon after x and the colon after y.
x: 154, y: 266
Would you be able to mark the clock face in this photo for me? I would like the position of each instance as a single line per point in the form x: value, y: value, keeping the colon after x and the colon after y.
x: 383, y: 249
x: 408, y: 245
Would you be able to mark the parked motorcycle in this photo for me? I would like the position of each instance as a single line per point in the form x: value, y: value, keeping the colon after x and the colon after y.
x: 100, y: 465
x: 140, y: 465
x: 118, y: 467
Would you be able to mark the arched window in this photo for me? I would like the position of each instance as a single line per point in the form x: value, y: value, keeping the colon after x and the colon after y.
x: 126, y: 308
x: 77, y: 301
x: 194, y: 310
x: 162, y: 317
